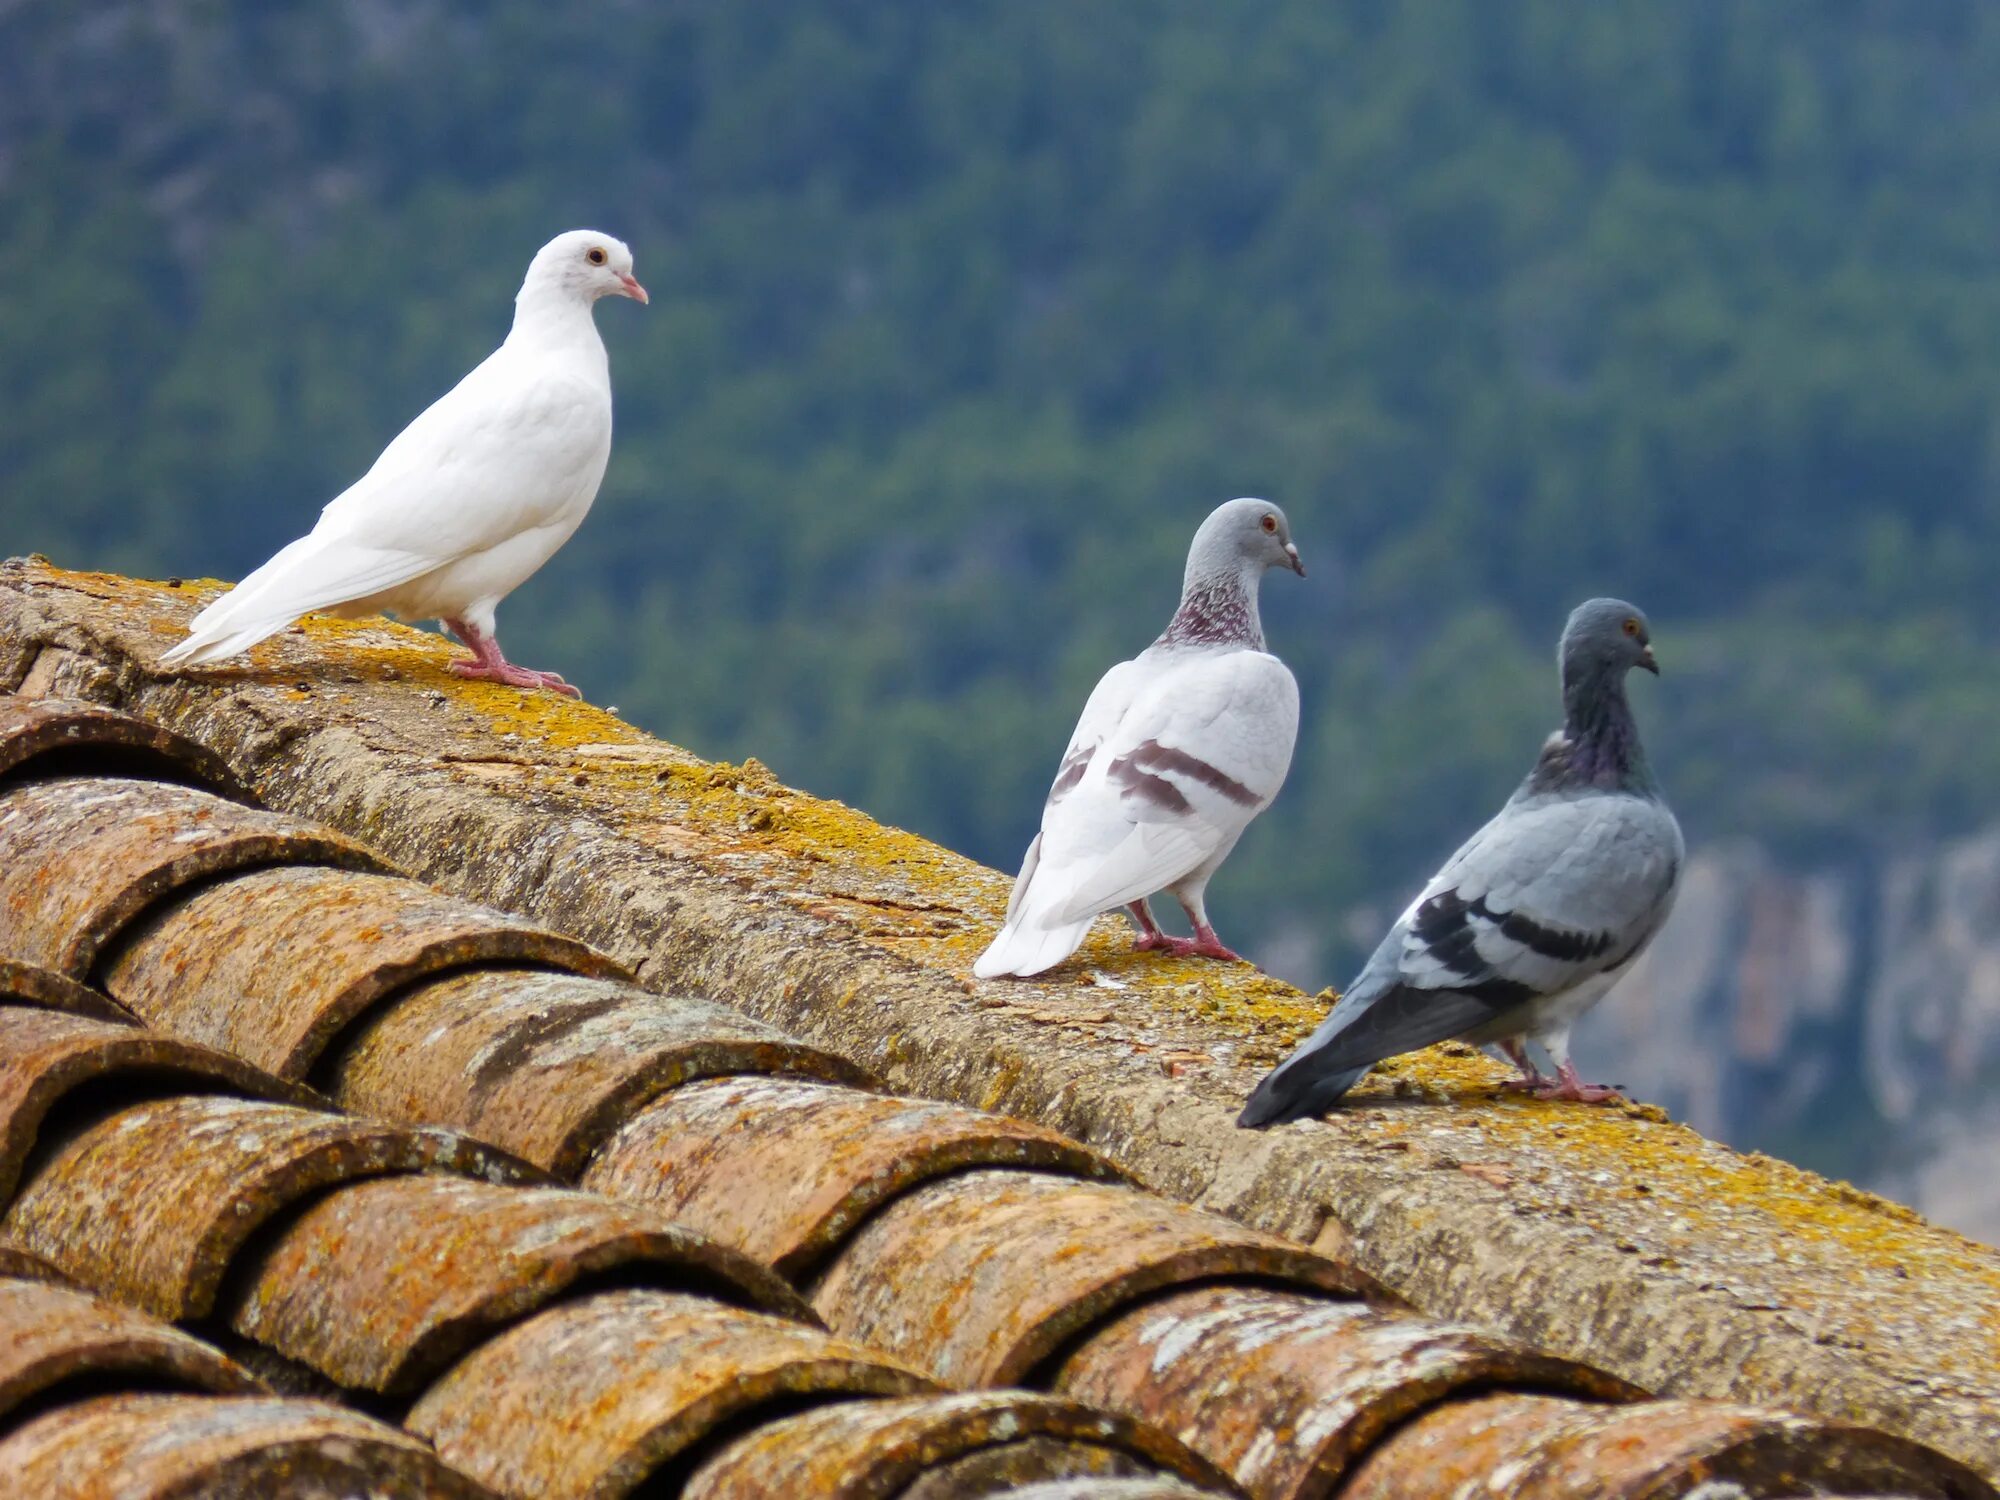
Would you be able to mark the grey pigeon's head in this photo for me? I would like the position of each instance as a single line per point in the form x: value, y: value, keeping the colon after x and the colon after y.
x: 1605, y: 637
x: 583, y: 264
x: 1243, y: 534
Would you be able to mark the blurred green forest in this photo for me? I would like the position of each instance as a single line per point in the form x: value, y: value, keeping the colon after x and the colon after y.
x: 965, y: 314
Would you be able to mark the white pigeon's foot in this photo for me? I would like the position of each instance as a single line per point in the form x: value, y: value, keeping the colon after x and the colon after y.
x: 1204, y: 944
x: 488, y: 662
x: 1566, y: 1085
x: 1208, y: 945
x: 513, y: 676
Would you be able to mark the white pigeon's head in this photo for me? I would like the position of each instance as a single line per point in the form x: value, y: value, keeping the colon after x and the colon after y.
x: 1252, y: 532
x: 585, y: 264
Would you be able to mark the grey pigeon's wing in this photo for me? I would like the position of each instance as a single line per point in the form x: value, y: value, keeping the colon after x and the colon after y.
x: 1552, y: 892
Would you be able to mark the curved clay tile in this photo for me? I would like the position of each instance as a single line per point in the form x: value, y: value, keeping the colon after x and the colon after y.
x: 550, y: 1064
x: 785, y: 1168
x: 67, y: 737
x: 81, y: 857
x: 272, y: 964
x: 152, y: 1203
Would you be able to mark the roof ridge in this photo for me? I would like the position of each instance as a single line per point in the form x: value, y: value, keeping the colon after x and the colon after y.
x: 546, y: 861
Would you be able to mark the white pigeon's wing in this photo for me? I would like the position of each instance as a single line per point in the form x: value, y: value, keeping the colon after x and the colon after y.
x: 1019, y: 949
x: 1108, y: 703
x: 501, y: 453
x: 1200, y: 751
x: 1548, y: 894
x: 494, y: 457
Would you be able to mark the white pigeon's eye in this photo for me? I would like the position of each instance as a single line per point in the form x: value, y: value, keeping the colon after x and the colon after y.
x: 595, y: 255
x: 1271, y: 523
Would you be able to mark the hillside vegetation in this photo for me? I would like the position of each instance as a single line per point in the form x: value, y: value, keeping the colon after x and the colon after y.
x: 965, y: 314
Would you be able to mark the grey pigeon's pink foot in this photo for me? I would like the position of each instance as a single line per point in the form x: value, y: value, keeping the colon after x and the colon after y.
x: 1532, y: 1080
x: 1567, y: 1085
x: 514, y: 676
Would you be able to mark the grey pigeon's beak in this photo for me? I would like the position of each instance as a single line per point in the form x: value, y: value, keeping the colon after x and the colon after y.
x: 1646, y: 660
x: 632, y: 289
x: 1293, y: 553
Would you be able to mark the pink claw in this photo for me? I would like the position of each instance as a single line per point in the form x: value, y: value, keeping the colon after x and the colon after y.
x: 1180, y: 947
x: 1568, y: 1086
x: 513, y: 676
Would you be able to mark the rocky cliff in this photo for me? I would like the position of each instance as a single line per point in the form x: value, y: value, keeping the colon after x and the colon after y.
x: 1846, y: 1015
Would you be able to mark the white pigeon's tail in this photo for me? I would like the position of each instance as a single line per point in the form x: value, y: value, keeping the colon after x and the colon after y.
x: 312, y: 573
x: 196, y: 650
x: 1023, y: 950
x: 1023, y: 946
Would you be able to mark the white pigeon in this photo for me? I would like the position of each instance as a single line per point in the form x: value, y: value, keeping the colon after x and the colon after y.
x: 1534, y: 920
x: 473, y: 496
x: 1177, y: 750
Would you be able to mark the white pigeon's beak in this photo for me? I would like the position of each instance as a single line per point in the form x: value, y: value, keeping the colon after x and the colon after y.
x: 1292, y: 552
x: 629, y: 287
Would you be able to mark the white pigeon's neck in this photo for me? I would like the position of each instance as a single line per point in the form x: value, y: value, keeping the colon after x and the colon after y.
x: 1218, y: 608
x: 548, y: 320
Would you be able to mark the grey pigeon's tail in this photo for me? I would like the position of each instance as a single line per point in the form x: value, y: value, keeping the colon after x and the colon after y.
x: 1297, y: 1091
x: 1334, y: 1058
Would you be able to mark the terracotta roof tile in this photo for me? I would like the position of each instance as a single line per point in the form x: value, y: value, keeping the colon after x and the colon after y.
x: 550, y: 1064
x: 240, y: 1448
x: 1332, y: 1376
x: 785, y: 1168
x: 29, y: 984
x: 592, y: 1396
x: 272, y: 964
x: 88, y: 854
x: 983, y: 1276
x: 381, y: 1284
x: 152, y: 1203
x: 46, y: 1056
x: 1531, y: 1447
x: 1105, y: 1489
x: 45, y: 737
x: 880, y: 1449
x: 54, y: 1334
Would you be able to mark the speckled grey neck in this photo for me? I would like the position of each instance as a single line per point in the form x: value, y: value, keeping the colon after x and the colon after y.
x: 1218, y: 609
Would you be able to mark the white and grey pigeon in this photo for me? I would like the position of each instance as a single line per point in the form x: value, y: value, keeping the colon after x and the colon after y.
x: 1177, y: 750
x: 473, y: 496
x: 1528, y: 925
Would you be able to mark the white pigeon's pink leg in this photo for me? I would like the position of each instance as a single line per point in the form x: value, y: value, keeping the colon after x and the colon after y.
x: 1206, y: 944
x: 490, y: 664
x: 1151, y: 938
x: 1532, y: 1079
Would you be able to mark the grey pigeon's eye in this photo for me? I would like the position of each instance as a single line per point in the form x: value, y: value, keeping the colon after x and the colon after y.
x: 1271, y: 523
x: 1632, y: 627
x: 595, y: 255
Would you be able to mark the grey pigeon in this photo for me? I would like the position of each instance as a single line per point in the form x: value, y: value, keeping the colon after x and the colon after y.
x: 472, y: 497
x: 1177, y: 750
x: 1529, y: 924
